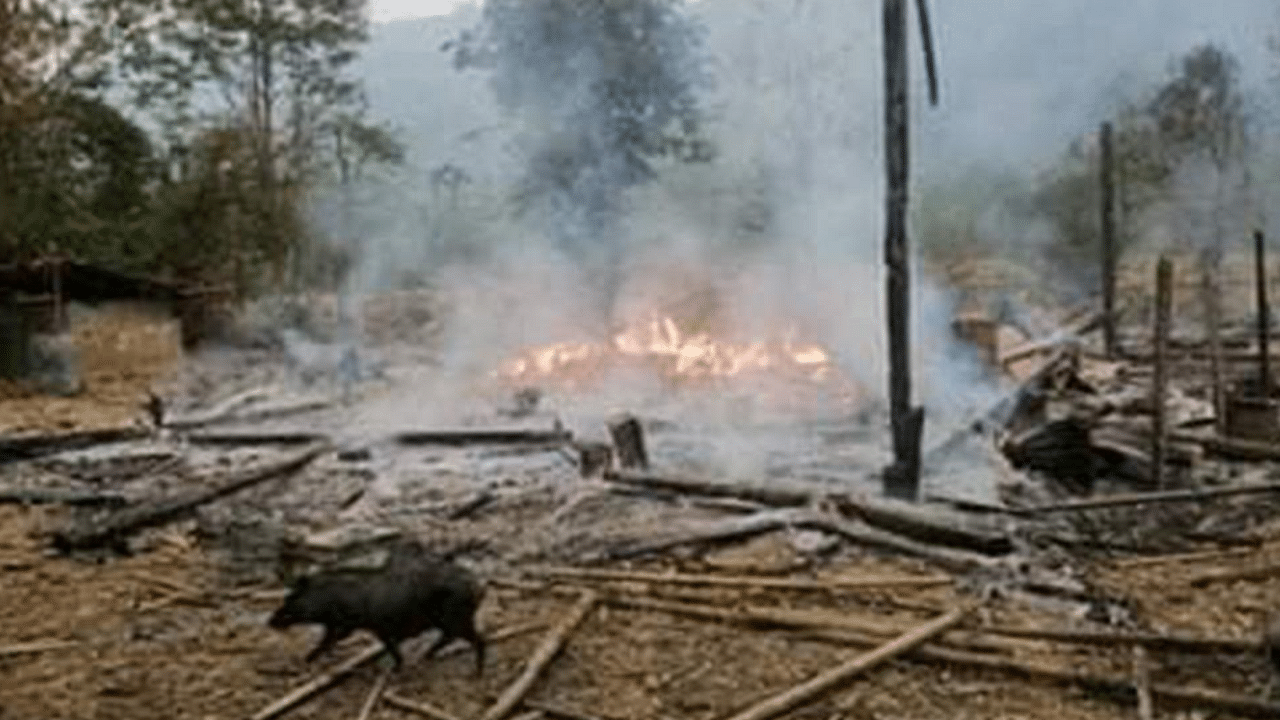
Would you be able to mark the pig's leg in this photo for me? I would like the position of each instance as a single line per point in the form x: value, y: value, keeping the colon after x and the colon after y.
x: 332, y: 636
x: 393, y: 649
x: 444, y: 639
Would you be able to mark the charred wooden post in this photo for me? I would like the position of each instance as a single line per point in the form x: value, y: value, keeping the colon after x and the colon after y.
x: 594, y: 459
x: 1264, y: 312
x: 155, y: 409
x: 1210, y: 262
x: 1108, y: 241
x: 902, y: 479
x: 1164, y: 292
x: 628, y: 439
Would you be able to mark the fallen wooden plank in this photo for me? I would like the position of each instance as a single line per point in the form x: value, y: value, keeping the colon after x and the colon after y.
x: 1028, y: 349
x: 38, y: 646
x: 29, y: 447
x: 1127, y: 499
x: 1225, y: 575
x: 114, y: 528
x: 220, y: 417
x: 17, y: 496
x: 1232, y: 448
x: 735, y: 529
x: 877, y: 630
x: 775, y: 494
x: 835, y: 677
x: 482, y: 437
x: 102, y: 471
x: 1196, y: 556
x: 756, y: 582
x: 1151, y: 641
x: 541, y: 658
x: 946, y: 558
x: 1002, y: 412
x: 930, y: 526
x: 926, y: 525
x: 248, y: 438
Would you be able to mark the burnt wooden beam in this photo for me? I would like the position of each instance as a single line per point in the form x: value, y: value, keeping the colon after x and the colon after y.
x: 37, y: 496
x: 250, y: 438
x: 482, y: 437
x: 934, y: 525
x: 112, y: 530
x: 30, y: 447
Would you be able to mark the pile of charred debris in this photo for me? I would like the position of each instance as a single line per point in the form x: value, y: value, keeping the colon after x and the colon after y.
x: 1152, y: 458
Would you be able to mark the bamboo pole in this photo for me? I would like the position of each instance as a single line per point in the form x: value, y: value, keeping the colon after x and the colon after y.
x: 1121, y: 689
x: 747, y: 581
x: 375, y: 695
x: 418, y: 707
x: 843, y: 673
x: 542, y: 657
x: 304, y: 692
x: 319, y: 684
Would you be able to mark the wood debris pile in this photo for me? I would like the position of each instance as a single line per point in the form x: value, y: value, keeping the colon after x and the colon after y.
x: 625, y: 583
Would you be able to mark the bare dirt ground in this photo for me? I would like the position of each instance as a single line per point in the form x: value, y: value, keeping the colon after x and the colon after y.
x: 162, y: 635
x: 177, y: 630
x: 172, y: 633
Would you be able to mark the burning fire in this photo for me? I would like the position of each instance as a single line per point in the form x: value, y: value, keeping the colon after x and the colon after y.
x: 680, y: 357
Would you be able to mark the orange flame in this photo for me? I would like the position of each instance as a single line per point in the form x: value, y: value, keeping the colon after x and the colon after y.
x: 679, y: 356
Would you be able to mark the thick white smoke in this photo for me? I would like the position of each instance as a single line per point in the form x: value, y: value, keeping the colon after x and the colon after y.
x: 782, y: 231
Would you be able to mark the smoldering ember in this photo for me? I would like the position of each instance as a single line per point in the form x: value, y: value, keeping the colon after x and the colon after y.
x: 641, y: 359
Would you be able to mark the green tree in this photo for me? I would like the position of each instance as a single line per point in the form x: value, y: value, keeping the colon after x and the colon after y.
x: 1198, y: 116
x: 52, y: 125
x: 280, y: 68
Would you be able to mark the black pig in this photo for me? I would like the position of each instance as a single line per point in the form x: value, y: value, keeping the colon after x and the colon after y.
x: 412, y: 594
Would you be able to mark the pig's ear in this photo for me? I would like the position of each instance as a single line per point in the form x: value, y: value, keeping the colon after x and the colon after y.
x: 302, y: 583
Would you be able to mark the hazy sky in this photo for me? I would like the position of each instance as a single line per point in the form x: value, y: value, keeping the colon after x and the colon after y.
x: 384, y: 10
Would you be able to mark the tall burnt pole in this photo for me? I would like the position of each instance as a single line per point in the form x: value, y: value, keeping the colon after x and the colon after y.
x: 902, y: 478
x: 1108, y: 244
